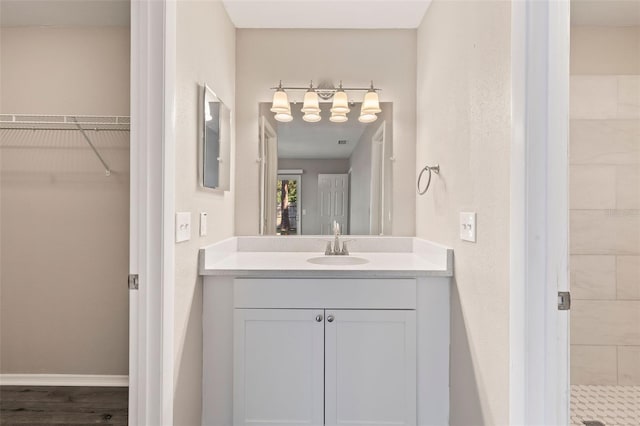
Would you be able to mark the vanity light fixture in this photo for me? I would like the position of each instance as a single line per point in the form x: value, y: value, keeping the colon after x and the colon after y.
x: 280, y: 105
x: 339, y: 108
x: 311, y: 106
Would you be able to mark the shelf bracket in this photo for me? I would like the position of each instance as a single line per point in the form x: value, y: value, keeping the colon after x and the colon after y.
x: 107, y: 170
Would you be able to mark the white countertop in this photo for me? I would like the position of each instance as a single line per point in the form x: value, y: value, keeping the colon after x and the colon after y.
x: 407, y: 257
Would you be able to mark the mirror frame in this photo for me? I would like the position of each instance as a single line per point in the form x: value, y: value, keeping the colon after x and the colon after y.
x: 224, y: 141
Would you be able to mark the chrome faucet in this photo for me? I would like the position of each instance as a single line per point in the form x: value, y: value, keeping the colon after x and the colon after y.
x: 336, y: 250
x: 336, y: 238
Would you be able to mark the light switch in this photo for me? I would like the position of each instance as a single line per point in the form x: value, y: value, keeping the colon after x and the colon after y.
x: 468, y: 226
x: 183, y: 226
x: 203, y: 224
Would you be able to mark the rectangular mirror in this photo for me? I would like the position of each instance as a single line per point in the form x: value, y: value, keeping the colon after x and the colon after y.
x: 215, y: 142
x: 312, y: 174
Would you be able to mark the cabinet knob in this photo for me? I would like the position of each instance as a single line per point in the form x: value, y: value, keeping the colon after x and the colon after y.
x: 330, y: 318
x: 319, y: 318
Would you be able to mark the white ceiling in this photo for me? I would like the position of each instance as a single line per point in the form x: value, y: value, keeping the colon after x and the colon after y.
x: 605, y: 12
x: 84, y: 13
x: 299, y: 139
x: 356, y: 14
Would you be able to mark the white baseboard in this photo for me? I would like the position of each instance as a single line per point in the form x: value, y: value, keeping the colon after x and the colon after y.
x: 63, y: 380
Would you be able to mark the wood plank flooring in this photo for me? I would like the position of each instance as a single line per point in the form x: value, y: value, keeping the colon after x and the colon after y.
x: 63, y: 405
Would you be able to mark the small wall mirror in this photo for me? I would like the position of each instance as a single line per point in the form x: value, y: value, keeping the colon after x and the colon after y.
x: 312, y: 174
x: 215, y: 143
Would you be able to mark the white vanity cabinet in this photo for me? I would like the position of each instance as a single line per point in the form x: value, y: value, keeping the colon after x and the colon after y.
x: 287, y: 342
x: 324, y: 367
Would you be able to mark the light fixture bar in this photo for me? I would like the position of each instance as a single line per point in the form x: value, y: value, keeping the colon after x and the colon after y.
x: 350, y: 89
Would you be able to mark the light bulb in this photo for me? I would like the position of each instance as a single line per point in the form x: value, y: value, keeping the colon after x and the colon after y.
x: 367, y: 118
x: 311, y: 117
x: 284, y: 117
x: 338, y: 118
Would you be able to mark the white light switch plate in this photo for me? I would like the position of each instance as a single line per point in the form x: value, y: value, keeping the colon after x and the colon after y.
x: 183, y: 226
x: 203, y: 224
x: 468, y: 226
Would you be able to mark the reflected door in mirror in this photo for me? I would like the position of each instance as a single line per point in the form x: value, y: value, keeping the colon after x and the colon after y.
x: 333, y: 202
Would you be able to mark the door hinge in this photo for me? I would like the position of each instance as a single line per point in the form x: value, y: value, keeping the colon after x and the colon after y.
x: 133, y: 281
x: 564, y: 300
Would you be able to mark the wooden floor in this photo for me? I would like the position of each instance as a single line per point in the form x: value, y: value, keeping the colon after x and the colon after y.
x: 63, y: 405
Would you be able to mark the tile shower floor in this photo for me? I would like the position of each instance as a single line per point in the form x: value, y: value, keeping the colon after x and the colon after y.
x: 610, y: 405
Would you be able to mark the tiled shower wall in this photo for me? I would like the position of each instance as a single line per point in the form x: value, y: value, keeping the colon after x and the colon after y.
x: 605, y: 205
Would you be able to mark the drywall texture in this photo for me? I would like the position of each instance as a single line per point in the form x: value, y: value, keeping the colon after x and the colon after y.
x: 605, y: 50
x: 309, y: 192
x: 604, y: 159
x: 354, y: 56
x: 205, y: 54
x: 65, y: 225
x: 464, y: 94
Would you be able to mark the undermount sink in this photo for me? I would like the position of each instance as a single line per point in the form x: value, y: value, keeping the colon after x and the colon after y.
x: 337, y: 260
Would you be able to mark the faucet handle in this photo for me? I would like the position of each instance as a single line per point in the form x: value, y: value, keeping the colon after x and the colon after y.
x: 345, y: 250
x: 328, y: 251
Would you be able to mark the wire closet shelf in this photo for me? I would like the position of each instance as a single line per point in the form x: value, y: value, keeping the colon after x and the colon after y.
x: 80, y: 123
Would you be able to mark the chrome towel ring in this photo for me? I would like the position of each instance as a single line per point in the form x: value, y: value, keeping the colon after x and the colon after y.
x: 435, y: 169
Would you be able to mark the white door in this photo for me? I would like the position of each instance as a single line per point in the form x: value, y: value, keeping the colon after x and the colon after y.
x: 333, y: 202
x: 279, y: 367
x: 370, y: 367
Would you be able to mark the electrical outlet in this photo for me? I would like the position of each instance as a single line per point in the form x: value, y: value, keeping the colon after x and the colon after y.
x: 468, y: 226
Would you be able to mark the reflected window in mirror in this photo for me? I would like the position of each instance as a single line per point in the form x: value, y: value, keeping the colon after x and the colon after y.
x: 312, y: 174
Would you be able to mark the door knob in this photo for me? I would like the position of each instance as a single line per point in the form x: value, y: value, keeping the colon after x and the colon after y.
x: 330, y: 318
x: 319, y: 318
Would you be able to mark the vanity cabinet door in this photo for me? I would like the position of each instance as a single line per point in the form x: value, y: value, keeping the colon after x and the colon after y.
x: 278, y: 367
x: 370, y: 367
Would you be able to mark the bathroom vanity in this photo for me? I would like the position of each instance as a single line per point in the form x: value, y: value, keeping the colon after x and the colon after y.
x: 358, y: 340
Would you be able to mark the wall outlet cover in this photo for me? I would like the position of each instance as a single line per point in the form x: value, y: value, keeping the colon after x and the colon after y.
x: 183, y: 226
x: 468, y: 226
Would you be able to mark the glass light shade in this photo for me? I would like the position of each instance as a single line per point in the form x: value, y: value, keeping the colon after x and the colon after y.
x: 340, y: 103
x: 284, y: 117
x: 338, y: 117
x: 280, y: 103
x: 311, y: 117
x: 371, y: 105
x: 367, y: 118
x: 311, y: 103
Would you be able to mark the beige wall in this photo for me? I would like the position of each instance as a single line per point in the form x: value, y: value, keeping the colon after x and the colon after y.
x: 64, y: 229
x: 464, y: 95
x: 205, y: 54
x: 604, y: 202
x: 297, y: 56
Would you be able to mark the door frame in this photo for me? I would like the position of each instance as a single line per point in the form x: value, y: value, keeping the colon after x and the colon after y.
x: 539, y: 333
x: 152, y: 205
x: 377, y: 153
x: 266, y: 144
